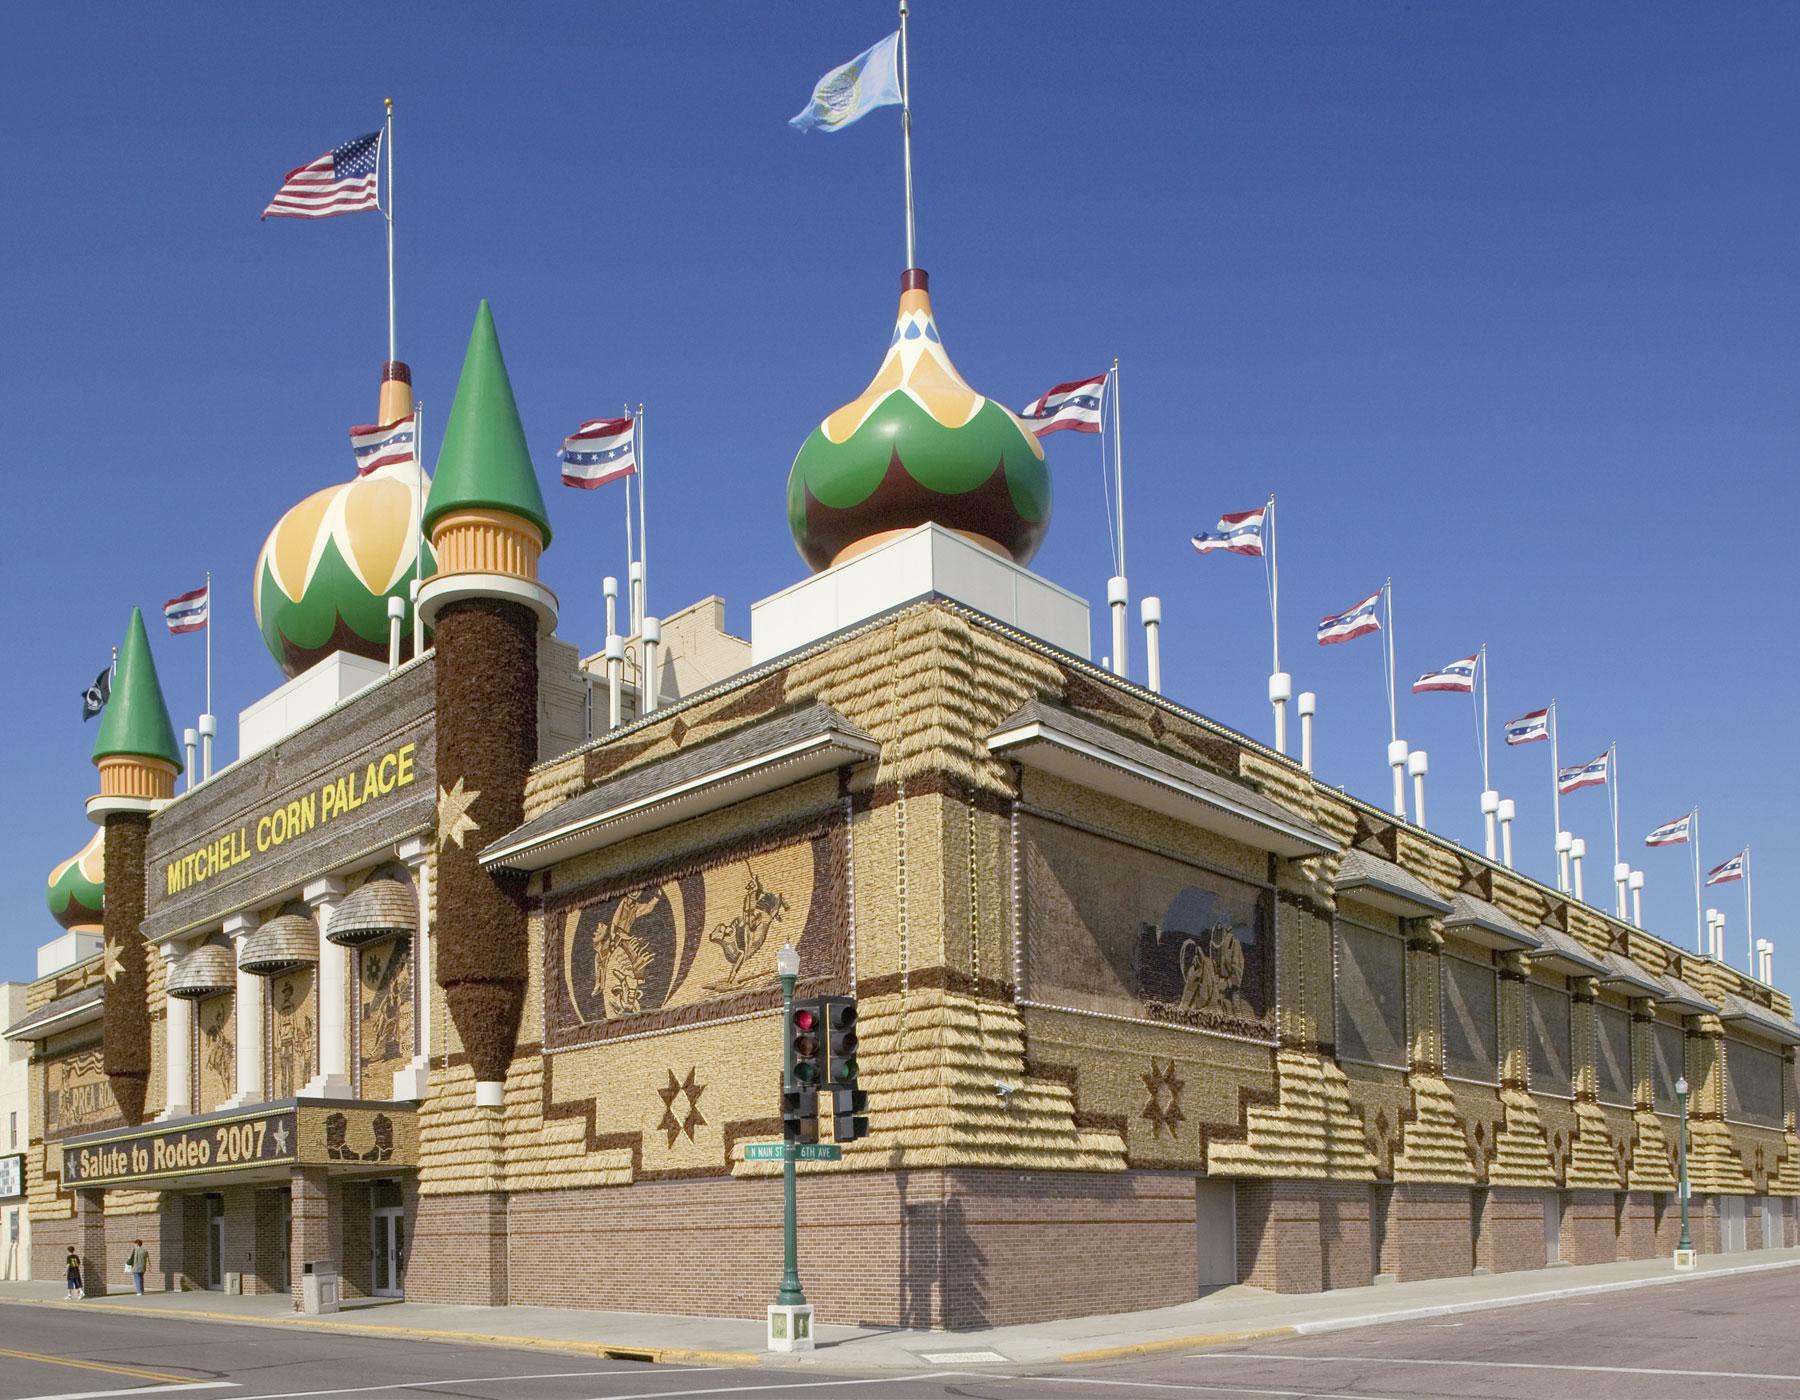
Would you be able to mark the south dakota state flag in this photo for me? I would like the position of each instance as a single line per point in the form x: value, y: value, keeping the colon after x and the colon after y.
x: 868, y: 81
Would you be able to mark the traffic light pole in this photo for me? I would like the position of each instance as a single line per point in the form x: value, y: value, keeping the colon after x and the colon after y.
x: 790, y: 1293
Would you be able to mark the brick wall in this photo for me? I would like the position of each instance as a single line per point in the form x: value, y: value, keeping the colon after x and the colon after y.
x: 1589, y: 1228
x: 1301, y: 1236
x: 271, y: 1243
x: 1512, y: 1230
x: 914, y: 1249
x: 1428, y: 1233
x: 1637, y: 1234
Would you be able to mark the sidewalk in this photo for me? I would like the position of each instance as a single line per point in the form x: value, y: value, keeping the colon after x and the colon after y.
x: 1224, y: 1316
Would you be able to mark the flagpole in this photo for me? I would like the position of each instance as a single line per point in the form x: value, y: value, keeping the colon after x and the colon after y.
x: 1490, y: 800
x: 207, y: 723
x: 905, y: 138
x: 1749, y: 917
x: 1281, y: 685
x: 1118, y: 590
x: 1699, y: 929
x: 637, y: 428
x: 1396, y: 746
x: 1562, y: 858
x: 388, y: 142
x: 1612, y: 788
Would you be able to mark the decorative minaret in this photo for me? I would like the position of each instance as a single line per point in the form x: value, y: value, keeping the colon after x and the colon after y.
x: 485, y: 517
x: 137, y: 757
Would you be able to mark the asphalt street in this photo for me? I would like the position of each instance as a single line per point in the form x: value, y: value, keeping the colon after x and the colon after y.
x: 1709, y: 1339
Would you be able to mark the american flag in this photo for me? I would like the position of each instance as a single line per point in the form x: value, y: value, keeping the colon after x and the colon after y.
x: 384, y: 444
x: 1582, y: 775
x: 1073, y: 405
x: 1675, y: 833
x: 188, y: 613
x: 1458, y: 676
x: 1528, y: 729
x: 599, y: 451
x: 1238, y: 533
x: 1359, y: 621
x: 1733, y: 869
x: 342, y: 181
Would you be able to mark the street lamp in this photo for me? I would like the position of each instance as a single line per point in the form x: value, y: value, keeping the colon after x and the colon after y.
x: 790, y: 1317
x: 1684, y: 1251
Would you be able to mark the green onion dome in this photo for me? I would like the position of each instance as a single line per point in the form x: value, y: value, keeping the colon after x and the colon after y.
x: 76, y: 892
x: 918, y: 445
x: 329, y: 566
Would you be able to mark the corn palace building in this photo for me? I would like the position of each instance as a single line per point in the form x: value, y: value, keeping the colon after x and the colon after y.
x: 451, y: 985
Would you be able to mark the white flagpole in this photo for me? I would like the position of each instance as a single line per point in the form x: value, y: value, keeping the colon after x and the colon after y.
x: 388, y: 142
x: 637, y: 429
x: 1118, y: 590
x: 906, y: 136
x: 1396, y: 745
x: 1612, y: 789
x: 207, y: 723
x: 1281, y: 685
x: 633, y: 574
x: 1699, y: 927
x: 1749, y: 917
x: 1490, y: 800
x: 1562, y: 860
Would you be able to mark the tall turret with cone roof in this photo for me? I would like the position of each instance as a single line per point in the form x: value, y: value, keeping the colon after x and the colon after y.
x: 136, y: 754
x: 488, y: 529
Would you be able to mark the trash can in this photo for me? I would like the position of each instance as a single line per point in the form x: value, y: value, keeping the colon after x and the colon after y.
x: 318, y: 1288
x: 234, y: 1284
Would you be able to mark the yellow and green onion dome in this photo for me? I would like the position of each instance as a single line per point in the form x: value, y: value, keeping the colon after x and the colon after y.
x: 918, y: 445
x: 77, y: 889
x: 329, y: 566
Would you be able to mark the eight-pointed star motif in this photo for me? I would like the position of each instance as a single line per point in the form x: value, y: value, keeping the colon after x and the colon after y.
x: 454, y: 821
x: 1164, y: 1108
x: 693, y: 1118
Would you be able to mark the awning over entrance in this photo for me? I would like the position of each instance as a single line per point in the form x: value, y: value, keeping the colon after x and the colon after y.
x: 238, y: 1144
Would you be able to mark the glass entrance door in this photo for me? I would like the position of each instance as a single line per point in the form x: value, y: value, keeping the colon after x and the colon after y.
x: 215, y: 1241
x: 388, y: 1244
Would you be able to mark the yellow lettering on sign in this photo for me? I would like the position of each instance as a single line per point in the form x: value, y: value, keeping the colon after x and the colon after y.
x: 404, y: 775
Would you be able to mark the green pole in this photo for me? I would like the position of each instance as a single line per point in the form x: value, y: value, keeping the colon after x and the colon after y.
x: 1681, y: 1090
x: 790, y: 1293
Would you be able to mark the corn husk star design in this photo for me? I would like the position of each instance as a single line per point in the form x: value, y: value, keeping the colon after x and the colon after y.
x: 454, y: 821
x: 115, y: 962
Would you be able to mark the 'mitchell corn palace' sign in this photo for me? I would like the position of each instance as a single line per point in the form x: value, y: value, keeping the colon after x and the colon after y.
x: 336, y: 796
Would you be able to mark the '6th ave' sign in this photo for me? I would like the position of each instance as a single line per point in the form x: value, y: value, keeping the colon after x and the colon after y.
x: 203, y: 1147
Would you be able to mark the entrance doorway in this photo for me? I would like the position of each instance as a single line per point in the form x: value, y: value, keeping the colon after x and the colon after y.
x: 215, y: 1241
x: 387, y: 1240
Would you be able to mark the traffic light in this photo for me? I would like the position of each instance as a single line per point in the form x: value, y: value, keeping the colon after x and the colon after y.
x: 849, y: 1104
x: 800, y: 1086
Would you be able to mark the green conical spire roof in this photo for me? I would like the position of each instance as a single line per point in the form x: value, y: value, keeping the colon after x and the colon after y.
x: 135, y: 720
x: 484, y: 464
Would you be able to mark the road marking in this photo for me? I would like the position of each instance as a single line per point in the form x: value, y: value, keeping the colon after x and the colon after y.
x: 135, y: 1372
x: 1502, y: 1365
x: 1195, y: 1385
x: 959, y: 1358
x: 136, y: 1390
x: 800, y: 1385
x: 476, y: 1380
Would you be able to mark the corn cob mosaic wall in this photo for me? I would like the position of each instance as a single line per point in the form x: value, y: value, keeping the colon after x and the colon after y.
x: 293, y: 1031
x: 127, y: 1016
x: 694, y: 940
x: 384, y: 1033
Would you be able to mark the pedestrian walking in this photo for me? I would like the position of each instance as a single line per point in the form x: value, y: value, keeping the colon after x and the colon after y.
x: 138, y: 1262
x: 74, y: 1263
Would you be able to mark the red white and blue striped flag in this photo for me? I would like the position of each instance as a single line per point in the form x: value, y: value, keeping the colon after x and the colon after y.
x: 1458, y: 676
x: 1733, y: 869
x: 188, y: 613
x: 342, y: 181
x: 1528, y: 729
x: 1583, y: 775
x: 1073, y: 405
x: 1237, y: 533
x: 1675, y: 833
x: 1359, y: 621
x: 384, y: 444
x: 599, y: 451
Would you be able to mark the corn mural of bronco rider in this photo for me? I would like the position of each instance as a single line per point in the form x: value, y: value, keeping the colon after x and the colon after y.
x: 621, y: 958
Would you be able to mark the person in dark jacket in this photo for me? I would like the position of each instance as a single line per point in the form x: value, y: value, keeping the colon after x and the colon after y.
x: 75, y: 1289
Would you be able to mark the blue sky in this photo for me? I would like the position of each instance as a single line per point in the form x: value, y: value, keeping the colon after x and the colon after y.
x: 1501, y: 300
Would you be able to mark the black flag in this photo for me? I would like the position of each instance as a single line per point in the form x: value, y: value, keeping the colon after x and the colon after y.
x: 94, y: 698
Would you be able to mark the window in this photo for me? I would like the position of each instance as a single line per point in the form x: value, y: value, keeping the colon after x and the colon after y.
x: 1371, y: 996
x: 1668, y: 1063
x: 1471, y: 1037
x: 13, y: 1128
x: 1752, y: 1084
x: 1547, y: 1032
x: 1612, y: 1055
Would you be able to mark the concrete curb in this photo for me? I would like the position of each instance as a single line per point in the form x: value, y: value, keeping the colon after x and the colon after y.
x: 611, y: 1351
